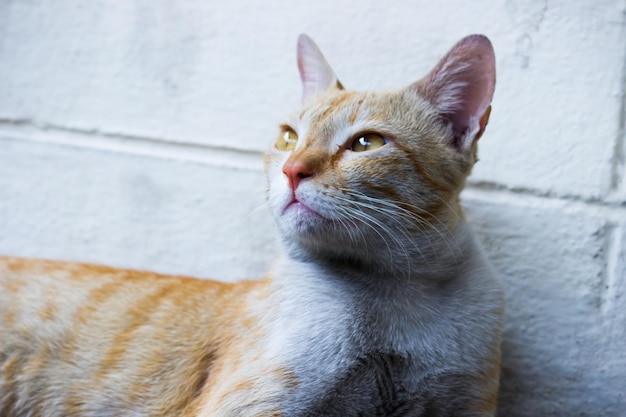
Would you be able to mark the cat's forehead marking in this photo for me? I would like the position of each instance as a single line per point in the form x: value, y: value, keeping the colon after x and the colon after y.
x: 340, y: 107
x: 333, y: 116
x: 329, y: 106
x: 352, y: 118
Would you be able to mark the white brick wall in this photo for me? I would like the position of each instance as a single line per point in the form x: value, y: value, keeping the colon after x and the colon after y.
x: 131, y: 134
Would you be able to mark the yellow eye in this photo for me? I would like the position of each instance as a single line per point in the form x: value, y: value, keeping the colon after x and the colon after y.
x: 367, y: 142
x: 287, y: 140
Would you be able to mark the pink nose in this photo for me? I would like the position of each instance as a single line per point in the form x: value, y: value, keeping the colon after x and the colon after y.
x: 296, y: 171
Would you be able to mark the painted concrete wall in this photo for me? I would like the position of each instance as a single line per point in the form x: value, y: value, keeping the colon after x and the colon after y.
x: 131, y: 134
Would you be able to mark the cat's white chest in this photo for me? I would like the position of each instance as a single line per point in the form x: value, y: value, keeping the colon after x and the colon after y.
x: 313, y: 322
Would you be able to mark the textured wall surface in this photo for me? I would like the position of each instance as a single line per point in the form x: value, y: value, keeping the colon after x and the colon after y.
x: 131, y: 134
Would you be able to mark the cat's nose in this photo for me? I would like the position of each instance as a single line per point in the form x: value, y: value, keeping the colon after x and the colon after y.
x: 296, y: 171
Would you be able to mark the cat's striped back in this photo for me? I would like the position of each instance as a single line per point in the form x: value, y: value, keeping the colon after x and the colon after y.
x: 85, y: 340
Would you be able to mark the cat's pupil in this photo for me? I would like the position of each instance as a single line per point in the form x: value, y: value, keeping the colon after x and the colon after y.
x: 289, y: 137
x: 368, y: 142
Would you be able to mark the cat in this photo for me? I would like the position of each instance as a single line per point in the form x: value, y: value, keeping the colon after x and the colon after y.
x: 382, y: 303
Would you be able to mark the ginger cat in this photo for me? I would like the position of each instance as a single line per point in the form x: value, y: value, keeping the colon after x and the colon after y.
x: 381, y: 305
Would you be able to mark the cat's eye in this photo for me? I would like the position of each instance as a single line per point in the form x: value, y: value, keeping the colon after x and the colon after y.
x: 287, y: 140
x: 367, y: 142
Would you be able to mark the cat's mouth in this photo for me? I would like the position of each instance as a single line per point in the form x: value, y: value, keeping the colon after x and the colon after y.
x: 301, y: 210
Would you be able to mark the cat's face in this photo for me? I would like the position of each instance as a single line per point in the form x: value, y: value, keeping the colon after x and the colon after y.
x: 361, y: 167
x: 362, y: 174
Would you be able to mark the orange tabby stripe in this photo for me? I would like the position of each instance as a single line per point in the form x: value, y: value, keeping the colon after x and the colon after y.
x: 10, y: 371
x: 355, y: 113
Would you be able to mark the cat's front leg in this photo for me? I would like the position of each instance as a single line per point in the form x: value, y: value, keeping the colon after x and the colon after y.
x: 244, y: 389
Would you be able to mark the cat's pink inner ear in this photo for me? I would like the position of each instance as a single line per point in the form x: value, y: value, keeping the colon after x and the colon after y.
x: 461, y: 87
x: 317, y: 76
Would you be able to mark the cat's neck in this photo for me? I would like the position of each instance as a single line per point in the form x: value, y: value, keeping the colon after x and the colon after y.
x: 394, y: 304
x: 426, y: 254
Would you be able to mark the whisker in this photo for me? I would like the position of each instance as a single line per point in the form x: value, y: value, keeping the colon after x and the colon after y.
x: 378, y: 227
x: 391, y: 210
x: 366, y: 219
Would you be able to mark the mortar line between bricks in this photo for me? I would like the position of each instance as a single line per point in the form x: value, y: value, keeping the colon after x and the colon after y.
x: 618, y: 160
x: 489, y: 186
x: 607, y: 210
x: 95, y: 139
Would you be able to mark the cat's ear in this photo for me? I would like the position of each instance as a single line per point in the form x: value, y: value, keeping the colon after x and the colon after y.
x: 461, y: 87
x: 317, y: 76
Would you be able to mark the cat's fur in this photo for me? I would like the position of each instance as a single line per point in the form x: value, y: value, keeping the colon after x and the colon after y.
x: 382, y: 303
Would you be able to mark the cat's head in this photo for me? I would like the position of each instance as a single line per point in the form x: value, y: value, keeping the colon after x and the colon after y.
x: 367, y: 174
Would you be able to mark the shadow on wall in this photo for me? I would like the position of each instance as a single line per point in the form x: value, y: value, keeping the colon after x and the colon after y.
x: 556, y: 341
